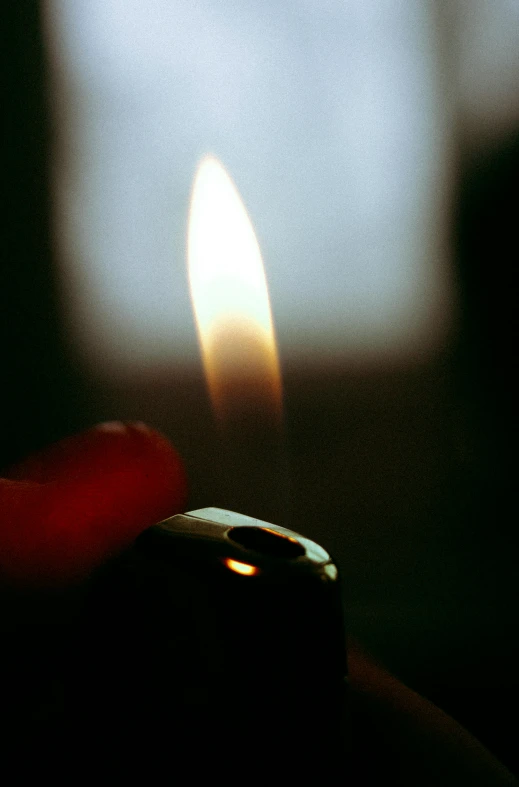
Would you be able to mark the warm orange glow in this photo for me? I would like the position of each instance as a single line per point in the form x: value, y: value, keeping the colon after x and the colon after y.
x: 280, y: 535
x: 241, y: 568
x: 230, y: 297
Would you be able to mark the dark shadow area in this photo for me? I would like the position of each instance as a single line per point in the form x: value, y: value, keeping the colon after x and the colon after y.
x: 483, y: 691
x: 39, y: 396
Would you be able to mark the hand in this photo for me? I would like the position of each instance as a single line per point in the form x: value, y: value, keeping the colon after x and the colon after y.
x: 67, y: 508
x: 400, y: 738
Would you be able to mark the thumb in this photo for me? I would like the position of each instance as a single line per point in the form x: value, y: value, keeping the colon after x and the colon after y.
x: 65, y: 509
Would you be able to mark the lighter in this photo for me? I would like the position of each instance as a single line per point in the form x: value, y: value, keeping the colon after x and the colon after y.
x: 216, y: 639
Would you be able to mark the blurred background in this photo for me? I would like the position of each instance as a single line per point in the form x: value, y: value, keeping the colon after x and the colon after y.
x: 375, y: 146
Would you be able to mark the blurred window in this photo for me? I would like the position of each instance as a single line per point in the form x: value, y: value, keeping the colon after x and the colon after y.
x: 333, y: 120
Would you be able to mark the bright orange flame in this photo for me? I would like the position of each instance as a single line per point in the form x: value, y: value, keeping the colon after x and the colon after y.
x: 241, y: 568
x: 230, y: 297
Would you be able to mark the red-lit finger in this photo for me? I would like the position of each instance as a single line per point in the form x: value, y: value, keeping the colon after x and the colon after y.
x: 65, y: 509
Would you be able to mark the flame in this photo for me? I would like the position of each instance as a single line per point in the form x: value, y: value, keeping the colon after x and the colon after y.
x: 230, y: 298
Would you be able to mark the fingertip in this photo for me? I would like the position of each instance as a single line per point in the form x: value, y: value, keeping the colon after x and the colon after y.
x: 159, y: 454
x: 98, y: 450
x: 110, y: 427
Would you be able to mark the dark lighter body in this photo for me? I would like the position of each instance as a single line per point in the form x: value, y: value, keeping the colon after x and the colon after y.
x: 217, y: 640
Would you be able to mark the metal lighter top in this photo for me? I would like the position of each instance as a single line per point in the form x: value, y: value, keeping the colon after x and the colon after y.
x: 230, y: 536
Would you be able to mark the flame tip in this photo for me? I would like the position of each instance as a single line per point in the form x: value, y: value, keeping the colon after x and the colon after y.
x: 209, y: 159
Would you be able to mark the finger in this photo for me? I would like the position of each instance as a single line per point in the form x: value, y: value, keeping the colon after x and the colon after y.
x: 65, y: 509
x: 415, y: 742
